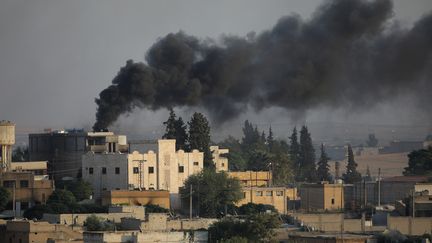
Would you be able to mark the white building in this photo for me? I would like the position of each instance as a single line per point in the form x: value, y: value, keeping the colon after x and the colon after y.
x: 165, y: 170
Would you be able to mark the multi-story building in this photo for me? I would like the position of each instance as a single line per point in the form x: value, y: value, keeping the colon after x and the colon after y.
x: 63, y: 149
x: 165, y: 169
x: 27, y: 182
x: 322, y: 197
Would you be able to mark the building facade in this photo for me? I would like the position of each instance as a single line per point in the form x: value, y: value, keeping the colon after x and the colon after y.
x: 252, y: 178
x: 63, y: 149
x: 275, y: 196
x: 167, y: 169
x: 322, y: 197
x: 219, y: 159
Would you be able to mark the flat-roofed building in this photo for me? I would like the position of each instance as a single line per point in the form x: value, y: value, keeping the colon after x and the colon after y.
x: 167, y: 169
x: 252, y: 178
x: 322, y: 197
x: 38, y: 168
x: 26, y: 190
x: 275, y: 196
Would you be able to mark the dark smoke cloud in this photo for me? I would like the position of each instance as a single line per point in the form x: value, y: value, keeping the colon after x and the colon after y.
x: 349, y: 54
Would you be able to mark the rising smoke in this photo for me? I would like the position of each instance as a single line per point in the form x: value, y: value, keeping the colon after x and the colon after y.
x: 350, y: 54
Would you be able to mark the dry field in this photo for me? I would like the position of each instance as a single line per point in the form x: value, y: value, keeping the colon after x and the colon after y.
x: 390, y: 164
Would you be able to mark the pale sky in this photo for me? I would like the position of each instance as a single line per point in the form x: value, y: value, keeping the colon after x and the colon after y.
x: 57, y: 55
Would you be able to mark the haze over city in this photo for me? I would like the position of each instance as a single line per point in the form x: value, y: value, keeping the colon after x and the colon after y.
x: 57, y: 57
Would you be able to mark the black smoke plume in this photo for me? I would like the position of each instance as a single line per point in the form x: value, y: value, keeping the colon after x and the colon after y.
x: 348, y: 54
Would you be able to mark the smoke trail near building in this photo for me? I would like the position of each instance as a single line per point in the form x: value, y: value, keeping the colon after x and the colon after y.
x: 349, y: 54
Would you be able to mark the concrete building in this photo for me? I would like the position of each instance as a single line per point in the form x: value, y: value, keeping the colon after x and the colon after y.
x: 144, y: 237
x: 275, y: 196
x: 219, y: 159
x: 122, y: 197
x: 27, y: 182
x: 23, y: 231
x: 63, y: 149
x: 26, y: 190
x: 252, y: 178
x: 167, y: 169
x: 322, y: 197
x: 7, y: 140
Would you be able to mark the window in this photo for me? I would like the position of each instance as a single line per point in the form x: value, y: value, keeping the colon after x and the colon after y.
x: 91, y: 170
x: 195, y: 163
x: 223, y: 164
x: 8, y: 184
x: 151, y: 170
x: 333, y: 201
x: 279, y: 193
x: 269, y: 193
x: 24, y: 205
x: 117, y: 170
x: 135, y: 170
x: 259, y: 193
x: 24, y: 184
x: 104, y: 170
x: 244, y: 195
x: 181, y: 169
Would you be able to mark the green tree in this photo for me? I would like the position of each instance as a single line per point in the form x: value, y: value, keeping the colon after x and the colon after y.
x: 236, y: 158
x: 419, y: 162
x: 323, y: 170
x: 281, y: 167
x: 94, y: 223
x: 295, y: 153
x: 255, y: 228
x: 253, y: 208
x: 199, y: 137
x: 20, y: 154
x: 175, y: 129
x: 352, y: 175
x: 62, y: 196
x: 153, y: 208
x: 251, y: 135
x: 211, y: 192
x: 372, y: 140
x: 80, y: 189
x: 307, y: 157
x: 270, y: 140
x: 37, y: 211
x: 5, y: 197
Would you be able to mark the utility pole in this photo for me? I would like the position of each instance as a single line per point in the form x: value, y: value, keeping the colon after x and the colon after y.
x: 379, y: 187
x: 413, y: 203
x: 190, y: 203
x: 140, y: 180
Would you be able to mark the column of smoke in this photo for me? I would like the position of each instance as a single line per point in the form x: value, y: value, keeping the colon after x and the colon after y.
x: 349, y: 54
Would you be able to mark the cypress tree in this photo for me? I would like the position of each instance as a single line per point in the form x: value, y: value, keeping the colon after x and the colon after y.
x: 175, y: 129
x: 270, y: 140
x: 307, y: 157
x: 352, y: 175
x: 199, y: 137
x: 294, y: 151
x: 323, y: 170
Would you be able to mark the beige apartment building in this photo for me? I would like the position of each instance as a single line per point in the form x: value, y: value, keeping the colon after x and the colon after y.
x: 252, y: 178
x: 322, y: 197
x: 276, y: 196
x: 165, y: 169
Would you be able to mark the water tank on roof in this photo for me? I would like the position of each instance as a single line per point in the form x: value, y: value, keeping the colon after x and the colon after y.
x: 7, y: 133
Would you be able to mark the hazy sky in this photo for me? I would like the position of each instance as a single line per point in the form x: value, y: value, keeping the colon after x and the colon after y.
x: 56, y: 56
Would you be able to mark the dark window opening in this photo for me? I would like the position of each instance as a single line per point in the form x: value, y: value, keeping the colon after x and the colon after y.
x: 181, y: 169
x: 104, y: 170
x: 151, y: 170
x: 135, y: 170
x: 91, y: 170
x: 24, y: 184
x: 117, y: 170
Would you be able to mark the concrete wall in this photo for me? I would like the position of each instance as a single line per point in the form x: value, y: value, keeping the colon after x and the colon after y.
x: 409, y: 225
x: 160, y: 198
x: 321, y: 197
x: 137, y: 237
x: 78, y: 219
x: 160, y: 222
x: 331, y: 222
